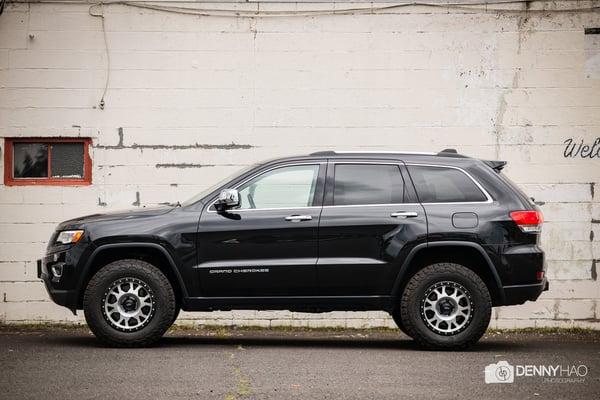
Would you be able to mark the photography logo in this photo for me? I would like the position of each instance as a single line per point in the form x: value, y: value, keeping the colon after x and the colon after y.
x: 501, y: 372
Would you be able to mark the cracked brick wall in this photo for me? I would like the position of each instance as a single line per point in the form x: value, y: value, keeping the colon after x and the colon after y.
x: 191, y: 99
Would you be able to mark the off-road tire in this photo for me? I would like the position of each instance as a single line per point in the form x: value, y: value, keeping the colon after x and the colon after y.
x: 164, y: 300
x: 398, y: 320
x: 176, y: 314
x: 410, y: 306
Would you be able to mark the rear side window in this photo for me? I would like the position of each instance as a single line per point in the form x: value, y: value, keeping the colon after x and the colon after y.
x: 444, y: 185
x: 356, y: 184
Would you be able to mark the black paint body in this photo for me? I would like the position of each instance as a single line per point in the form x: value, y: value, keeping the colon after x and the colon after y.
x: 344, y: 258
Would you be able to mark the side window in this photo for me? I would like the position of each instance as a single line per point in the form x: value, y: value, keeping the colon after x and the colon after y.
x: 285, y: 187
x: 356, y: 184
x: 444, y: 185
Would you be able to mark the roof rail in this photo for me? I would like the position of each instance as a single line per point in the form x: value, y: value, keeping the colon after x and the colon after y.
x: 336, y: 152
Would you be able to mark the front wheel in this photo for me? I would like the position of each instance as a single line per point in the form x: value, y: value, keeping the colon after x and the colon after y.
x: 446, y: 306
x: 129, y: 303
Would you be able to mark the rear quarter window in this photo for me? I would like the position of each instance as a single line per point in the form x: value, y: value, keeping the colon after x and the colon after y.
x: 444, y: 185
x: 518, y: 191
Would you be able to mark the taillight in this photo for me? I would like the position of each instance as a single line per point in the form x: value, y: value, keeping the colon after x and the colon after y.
x: 539, y: 275
x: 528, y: 221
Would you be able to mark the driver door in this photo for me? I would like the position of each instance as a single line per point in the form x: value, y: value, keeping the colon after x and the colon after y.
x: 267, y: 246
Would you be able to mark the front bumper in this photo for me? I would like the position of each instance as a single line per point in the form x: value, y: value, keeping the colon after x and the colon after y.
x: 58, y: 294
x: 519, y: 294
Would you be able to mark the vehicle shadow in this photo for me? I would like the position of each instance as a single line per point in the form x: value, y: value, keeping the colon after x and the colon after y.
x: 402, y: 342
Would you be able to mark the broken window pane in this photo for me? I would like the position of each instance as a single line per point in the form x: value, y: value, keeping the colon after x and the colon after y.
x: 30, y: 160
x: 67, y: 160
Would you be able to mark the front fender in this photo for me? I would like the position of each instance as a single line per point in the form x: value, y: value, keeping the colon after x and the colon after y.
x: 83, y: 276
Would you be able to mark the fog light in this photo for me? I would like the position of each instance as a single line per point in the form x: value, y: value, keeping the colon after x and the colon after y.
x: 57, y: 270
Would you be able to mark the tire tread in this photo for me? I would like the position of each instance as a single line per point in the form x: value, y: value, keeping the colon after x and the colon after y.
x: 133, y: 266
x: 411, y: 290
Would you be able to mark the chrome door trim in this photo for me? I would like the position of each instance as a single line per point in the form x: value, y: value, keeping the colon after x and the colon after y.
x: 400, y: 163
x: 298, y: 218
x: 404, y: 214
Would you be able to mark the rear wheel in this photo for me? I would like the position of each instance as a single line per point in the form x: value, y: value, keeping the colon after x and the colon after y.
x: 398, y: 320
x: 446, y: 306
x: 129, y: 303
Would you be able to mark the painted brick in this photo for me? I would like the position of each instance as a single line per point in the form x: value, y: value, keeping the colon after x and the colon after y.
x: 565, y: 270
x: 25, y: 233
x: 576, y: 309
x: 541, y: 309
x: 511, y: 323
x: 3, y: 59
x: 414, y: 79
x: 560, y: 193
x: 568, y: 289
x: 554, y: 232
x: 18, y: 271
x: 37, y: 311
x: 56, y: 59
x: 23, y: 291
x: 10, y: 195
x: 29, y: 213
x: 263, y: 323
x: 568, y: 212
x: 22, y: 251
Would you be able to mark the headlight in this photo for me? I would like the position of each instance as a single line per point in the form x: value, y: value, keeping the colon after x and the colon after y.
x: 69, y: 237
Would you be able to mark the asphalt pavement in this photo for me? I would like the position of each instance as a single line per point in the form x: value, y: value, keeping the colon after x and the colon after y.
x: 237, y: 364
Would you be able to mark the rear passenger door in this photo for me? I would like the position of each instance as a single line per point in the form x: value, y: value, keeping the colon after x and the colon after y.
x: 369, y: 223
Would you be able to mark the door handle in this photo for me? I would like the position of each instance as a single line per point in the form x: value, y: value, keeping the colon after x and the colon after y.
x: 404, y: 214
x: 298, y: 218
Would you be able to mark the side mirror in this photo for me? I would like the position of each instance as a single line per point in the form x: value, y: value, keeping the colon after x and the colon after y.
x: 228, y: 198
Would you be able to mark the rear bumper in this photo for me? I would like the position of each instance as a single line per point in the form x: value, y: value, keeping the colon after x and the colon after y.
x: 519, y: 294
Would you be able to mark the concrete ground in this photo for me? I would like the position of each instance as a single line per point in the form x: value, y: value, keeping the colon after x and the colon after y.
x: 285, y: 364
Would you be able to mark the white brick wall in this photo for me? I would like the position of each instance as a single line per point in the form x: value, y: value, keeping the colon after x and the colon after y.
x: 494, y: 85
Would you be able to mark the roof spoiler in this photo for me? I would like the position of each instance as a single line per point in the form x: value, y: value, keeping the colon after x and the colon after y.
x: 496, y: 165
x: 450, y: 153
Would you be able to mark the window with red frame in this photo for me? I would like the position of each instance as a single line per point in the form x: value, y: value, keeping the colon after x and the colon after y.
x: 47, y: 161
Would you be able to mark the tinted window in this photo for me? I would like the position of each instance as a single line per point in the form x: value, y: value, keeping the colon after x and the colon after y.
x: 444, y: 185
x: 30, y: 160
x: 367, y: 184
x: 67, y: 160
x: 286, y: 187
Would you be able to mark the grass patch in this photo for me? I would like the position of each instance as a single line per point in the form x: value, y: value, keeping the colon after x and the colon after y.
x: 41, y: 326
x: 252, y: 328
x: 547, y: 331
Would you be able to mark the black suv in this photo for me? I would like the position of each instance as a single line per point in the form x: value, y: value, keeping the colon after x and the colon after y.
x: 436, y: 240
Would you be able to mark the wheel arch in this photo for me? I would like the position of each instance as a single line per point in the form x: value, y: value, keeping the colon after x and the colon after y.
x: 153, y: 253
x: 469, y: 254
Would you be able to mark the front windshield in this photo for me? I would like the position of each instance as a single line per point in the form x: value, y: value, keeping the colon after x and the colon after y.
x: 220, y: 183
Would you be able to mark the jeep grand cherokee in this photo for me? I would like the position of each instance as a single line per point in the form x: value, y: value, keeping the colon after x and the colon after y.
x: 435, y: 239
